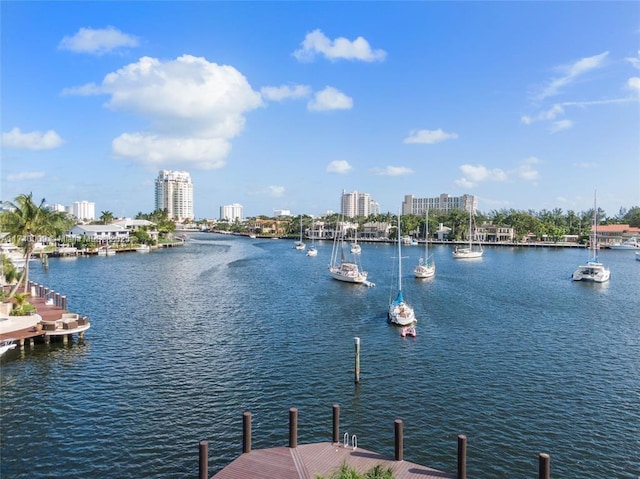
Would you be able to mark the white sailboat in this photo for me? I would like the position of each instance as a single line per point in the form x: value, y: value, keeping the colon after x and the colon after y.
x: 355, y: 247
x: 340, y: 267
x: 400, y: 312
x: 593, y: 270
x: 469, y: 252
x: 312, y: 251
x: 426, y: 266
x: 299, y: 245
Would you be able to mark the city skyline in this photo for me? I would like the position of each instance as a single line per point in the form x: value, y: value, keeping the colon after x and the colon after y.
x: 516, y: 103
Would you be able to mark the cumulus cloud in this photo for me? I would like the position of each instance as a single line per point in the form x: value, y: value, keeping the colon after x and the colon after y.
x: 526, y: 171
x: 338, y: 166
x: 429, y: 136
x: 330, y: 99
x: 26, y: 175
x: 572, y: 72
x: 472, y: 175
x: 97, y: 41
x: 194, y: 108
x: 317, y: 43
x: 280, y: 93
x: 158, y: 151
x: 35, y: 140
x: 392, y: 171
x: 633, y: 84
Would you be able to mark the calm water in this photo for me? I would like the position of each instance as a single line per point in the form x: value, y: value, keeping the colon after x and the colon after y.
x: 509, y: 351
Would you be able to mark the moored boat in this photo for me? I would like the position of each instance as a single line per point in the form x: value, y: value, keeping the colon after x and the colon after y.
x: 400, y: 312
x: 593, y: 270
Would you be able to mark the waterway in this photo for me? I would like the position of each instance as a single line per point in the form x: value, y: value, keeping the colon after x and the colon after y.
x: 509, y: 352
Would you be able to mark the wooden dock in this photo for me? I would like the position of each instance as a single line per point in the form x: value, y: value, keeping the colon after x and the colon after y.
x: 325, y: 459
x: 320, y: 459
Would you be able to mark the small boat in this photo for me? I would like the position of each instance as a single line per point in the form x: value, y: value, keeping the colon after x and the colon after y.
x: 631, y: 243
x: 469, y: 252
x: 593, y: 270
x: 312, y: 251
x: 299, y: 245
x: 7, y: 345
x: 400, y: 312
x: 426, y: 266
x: 408, y: 331
x: 355, y: 247
x: 106, y: 251
x: 143, y: 248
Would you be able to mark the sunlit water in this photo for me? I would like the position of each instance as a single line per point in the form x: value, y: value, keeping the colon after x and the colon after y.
x: 510, y: 352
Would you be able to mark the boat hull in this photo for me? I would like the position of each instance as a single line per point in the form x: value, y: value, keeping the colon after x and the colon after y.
x: 466, y: 253
x: 592, y: 272
x: 424, y: 271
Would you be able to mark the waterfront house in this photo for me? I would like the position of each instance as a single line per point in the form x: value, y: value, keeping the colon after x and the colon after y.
x: 101, y: 234
x: 490, y: 233
x: 616, y: 234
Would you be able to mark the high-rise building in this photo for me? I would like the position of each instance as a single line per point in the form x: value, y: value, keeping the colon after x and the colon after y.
x: 174, y: 193
x: 443, y: 203
x: 83, y: 210
x: 231, y: 213
x: 357, y: 204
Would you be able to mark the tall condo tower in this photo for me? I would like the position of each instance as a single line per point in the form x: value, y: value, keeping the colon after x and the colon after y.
x: 174, y: 192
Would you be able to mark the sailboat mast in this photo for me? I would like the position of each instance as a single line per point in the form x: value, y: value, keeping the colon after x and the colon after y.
x: 399, y: 257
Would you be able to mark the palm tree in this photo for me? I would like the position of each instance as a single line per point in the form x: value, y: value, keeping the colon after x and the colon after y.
x: 106, y: 217
x: 25, y: 222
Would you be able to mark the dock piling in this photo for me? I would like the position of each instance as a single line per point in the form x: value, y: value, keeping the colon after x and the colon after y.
x: 399, y: 446
x: 204, y: 460
x: 293, y: 427
x: 336, y: 423
x: 544, y: 466
x: 246, y: 432
x: 357, y: 363
x: 462, y: 457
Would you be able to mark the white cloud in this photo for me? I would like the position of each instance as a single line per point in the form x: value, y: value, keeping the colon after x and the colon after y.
x: 330, y: 99
x: 429, y: 136
x: 585, y: 165
x: 317, y: 43
x: 35, y: 140
x: 633, y: 84
x: 205, y: 153
x: 472, y: 175
x: 392, y: 171
x: 339, y: 166
x: 97, y: 41
x: 571, y: 73
x: 26, y: 175
x: 560, y: 125
x: 275, y: 191
x: 526, y: 171
x: 194, y: 108
x: 635, y: 61
x: 279, y: 93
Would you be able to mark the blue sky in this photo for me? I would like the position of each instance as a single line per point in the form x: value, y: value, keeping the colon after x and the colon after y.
x: 282, y: 105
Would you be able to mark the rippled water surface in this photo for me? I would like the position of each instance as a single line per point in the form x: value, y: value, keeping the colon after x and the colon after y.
x: 510, y: 352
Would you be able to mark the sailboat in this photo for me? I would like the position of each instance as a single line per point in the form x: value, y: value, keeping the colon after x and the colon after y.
x: 400, y: 312
x: 355, y: 247
x: 593, y: 270
x: 468, y: 252
x: 340, y: 267
x: 312, y: 251
x: 426, y: 266
x: 299, y: 245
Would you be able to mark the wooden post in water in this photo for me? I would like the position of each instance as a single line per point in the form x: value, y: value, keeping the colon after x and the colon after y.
x: 246, y: 432
x: 357, y: 364
x: 544, y: 466
x: 204, y: 460
x: 63, y: 302
x: 57, y: 301
x: 293, y: 427
x: 399, y: 446
x: 336, y: 423
x: 462, y: 457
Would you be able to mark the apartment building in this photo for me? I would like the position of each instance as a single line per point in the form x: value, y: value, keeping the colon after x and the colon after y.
x: 443, y: 203
x: 174, y: 193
